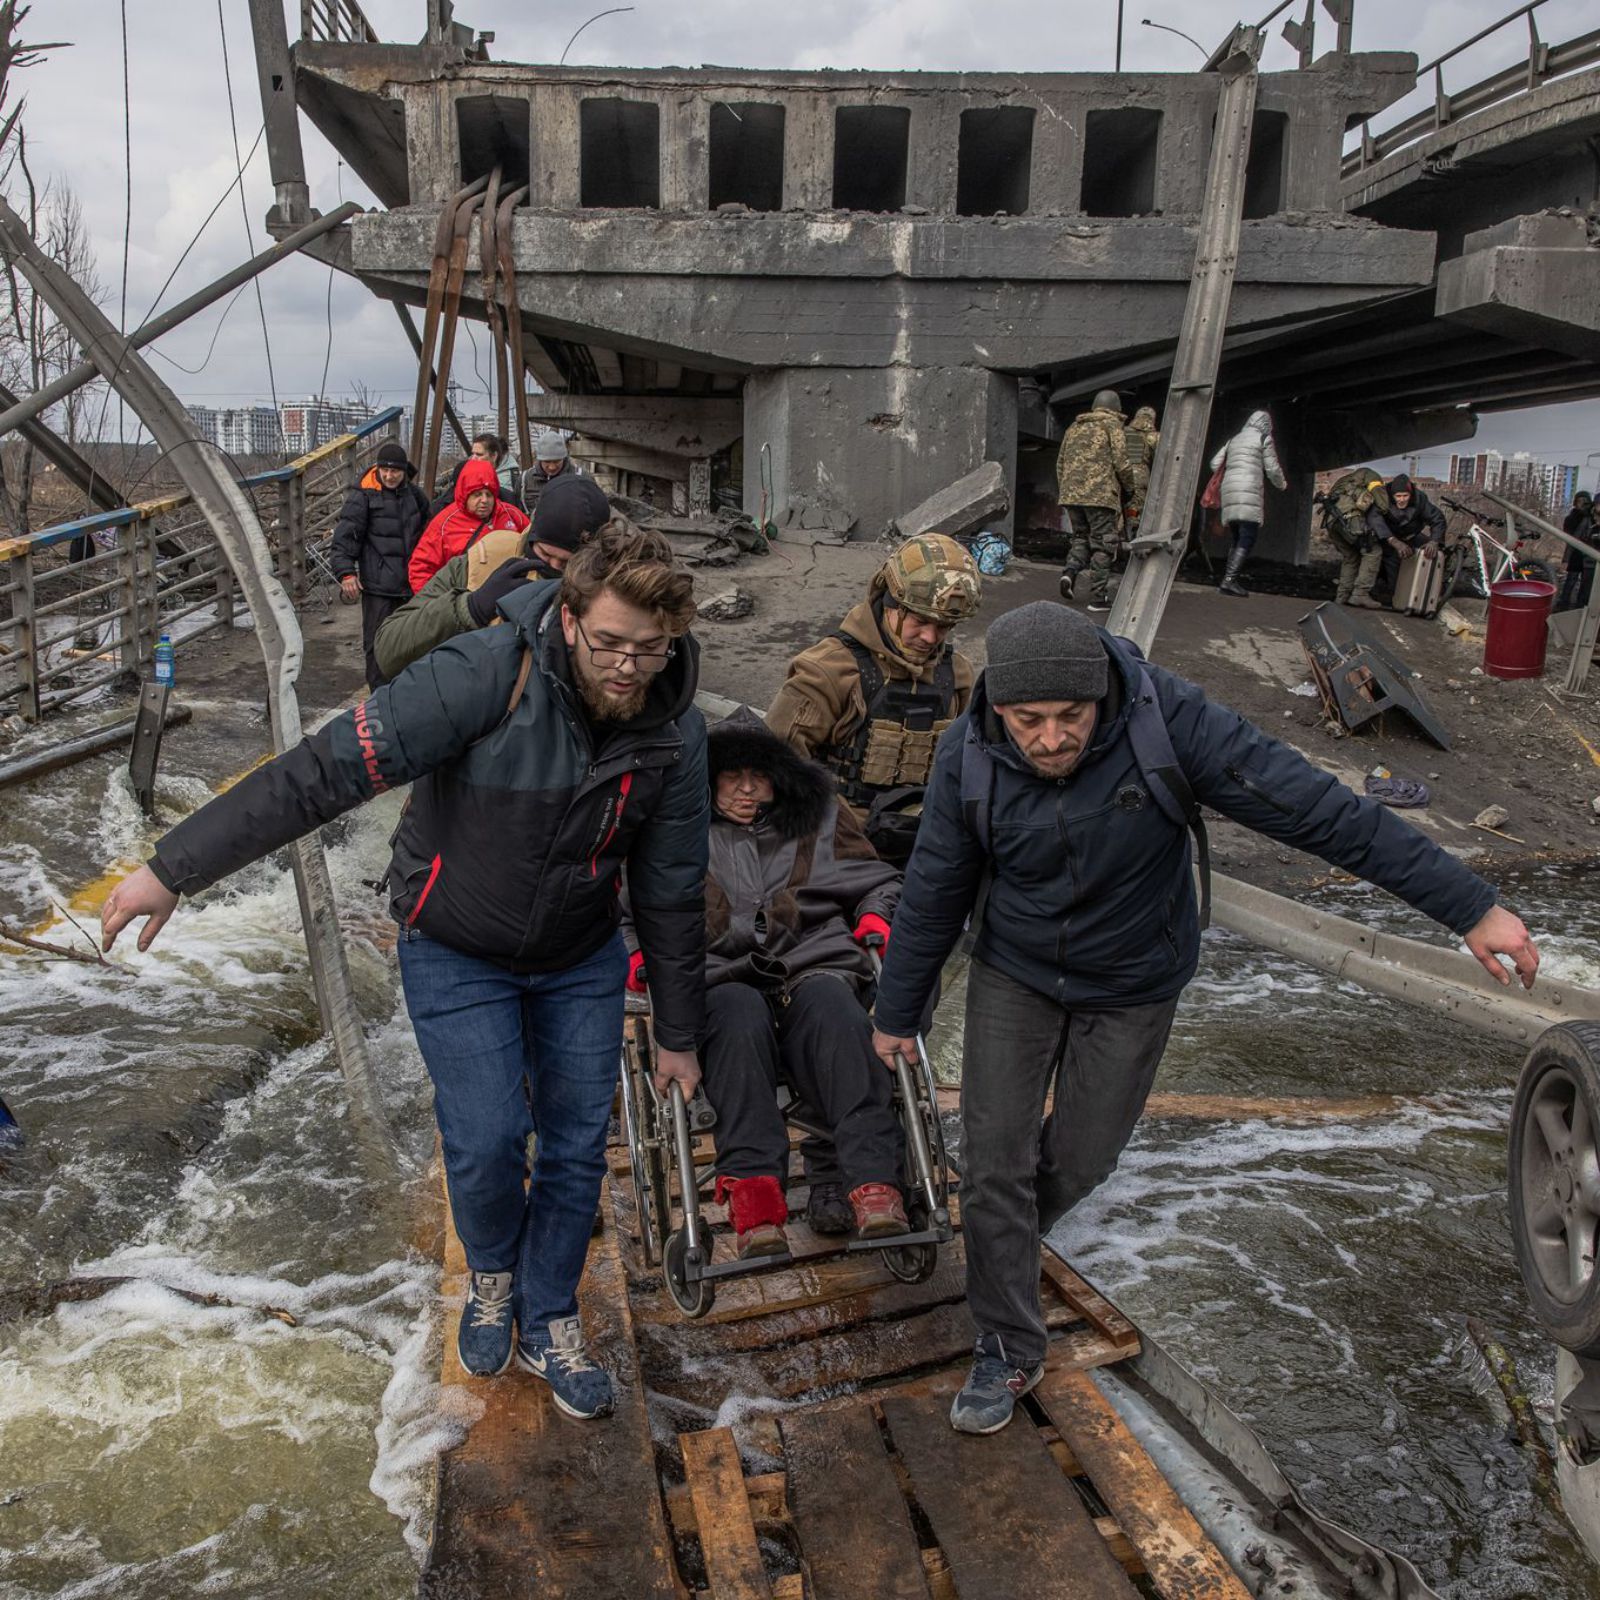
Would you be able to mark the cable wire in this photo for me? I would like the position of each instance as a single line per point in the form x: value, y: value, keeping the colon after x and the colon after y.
x: 127, y: 197
x: 244, y: 211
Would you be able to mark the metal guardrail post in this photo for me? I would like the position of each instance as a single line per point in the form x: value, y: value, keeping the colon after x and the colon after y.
x: 294, y: 534
x: 1154, y: 558
x: 25, y: 633
x: 146, y: 554
x: 128, y: 593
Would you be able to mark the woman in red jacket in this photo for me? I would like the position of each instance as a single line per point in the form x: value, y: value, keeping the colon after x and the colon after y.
x: 477, y: 508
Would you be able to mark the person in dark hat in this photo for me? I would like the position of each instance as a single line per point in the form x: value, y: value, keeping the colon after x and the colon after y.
x: 1071, y: 786
x: 466, y: 591
x: 378, y: 528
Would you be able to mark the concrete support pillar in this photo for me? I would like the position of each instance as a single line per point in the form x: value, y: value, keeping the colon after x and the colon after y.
x: 808, y: 153
x: 554, y: 153
x: 1286, y: 534
x: 874, y: 442
x: 433, y: 142
x: 685, y: 153
x: 1055, y: 179
x: 935, y: 136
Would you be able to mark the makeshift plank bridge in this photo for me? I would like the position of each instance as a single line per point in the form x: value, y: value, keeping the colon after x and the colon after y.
x: 845, y: 1482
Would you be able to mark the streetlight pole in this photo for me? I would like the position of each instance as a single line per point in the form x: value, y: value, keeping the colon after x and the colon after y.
x: 1119, y: 35
x: 1145, y: 22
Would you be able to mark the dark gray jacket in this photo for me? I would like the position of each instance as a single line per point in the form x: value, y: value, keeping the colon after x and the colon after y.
x: 1092, y: 897
x: 520, y: 820
x: 784, y: 895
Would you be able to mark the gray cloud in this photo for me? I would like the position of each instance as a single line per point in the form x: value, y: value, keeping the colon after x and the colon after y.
x: 183, y: 153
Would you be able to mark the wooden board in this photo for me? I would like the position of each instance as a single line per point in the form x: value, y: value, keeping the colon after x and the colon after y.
x: 727, y: 1531
x: 850, y: 1518
x: 1181, y: 1560
x: 531, y: 1502
x: 1010, y: 1524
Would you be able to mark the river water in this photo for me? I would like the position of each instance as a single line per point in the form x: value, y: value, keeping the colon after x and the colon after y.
x: 188, y: 1132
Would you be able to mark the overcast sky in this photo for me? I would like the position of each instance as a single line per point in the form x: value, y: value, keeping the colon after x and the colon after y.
x: 183, y: 154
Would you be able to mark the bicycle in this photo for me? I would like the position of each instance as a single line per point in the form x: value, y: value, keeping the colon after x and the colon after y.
x: 1471, y: 567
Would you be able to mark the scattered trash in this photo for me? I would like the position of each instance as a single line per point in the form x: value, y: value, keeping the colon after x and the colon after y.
x: 728, y: 606
x: 992, y: 554
x: 1477, y: 672
x: 1358, y: 676
x: 1403, y: 794
x: 1306, y: 691
x: 1594, y: 805
x: 1492, y: 817
x: 1454, y: 623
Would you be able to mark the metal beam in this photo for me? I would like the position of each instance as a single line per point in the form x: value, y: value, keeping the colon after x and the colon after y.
x: 16, y: 414
x: 275, y: 70
x: 66, y: 460
x: 1175, y: 472
x: 408, y: 322
x: 206, y: 474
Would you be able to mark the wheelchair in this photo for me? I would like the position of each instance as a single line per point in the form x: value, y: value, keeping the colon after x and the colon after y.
x: 670, y: 1185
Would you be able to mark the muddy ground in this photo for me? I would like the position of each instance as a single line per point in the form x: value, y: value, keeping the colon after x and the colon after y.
x: 1525, y: 745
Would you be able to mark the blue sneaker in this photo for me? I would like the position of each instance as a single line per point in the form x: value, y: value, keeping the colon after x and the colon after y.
x: 484, y: 1339
x: 992, y: 1389
x: 579, y: 1387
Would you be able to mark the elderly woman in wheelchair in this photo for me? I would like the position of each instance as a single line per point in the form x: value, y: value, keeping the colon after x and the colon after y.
x: 794, y: 897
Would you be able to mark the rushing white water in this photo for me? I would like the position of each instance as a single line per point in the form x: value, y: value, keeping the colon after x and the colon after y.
x: 188, y: 1131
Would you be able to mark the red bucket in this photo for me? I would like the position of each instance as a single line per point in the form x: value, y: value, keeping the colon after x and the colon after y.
x: 1518, y: 630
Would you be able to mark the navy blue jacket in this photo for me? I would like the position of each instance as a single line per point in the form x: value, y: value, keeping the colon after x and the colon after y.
x: 1092, y: 899
x: 520, y: 822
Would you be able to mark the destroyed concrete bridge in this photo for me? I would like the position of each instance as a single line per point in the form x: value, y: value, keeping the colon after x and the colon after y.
x: 876, y: 281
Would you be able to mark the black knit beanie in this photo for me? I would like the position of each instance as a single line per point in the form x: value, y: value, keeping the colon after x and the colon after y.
x: 1044, y: 651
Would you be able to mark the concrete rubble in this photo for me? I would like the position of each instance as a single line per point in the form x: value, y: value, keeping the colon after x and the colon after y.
x: 969, y: 504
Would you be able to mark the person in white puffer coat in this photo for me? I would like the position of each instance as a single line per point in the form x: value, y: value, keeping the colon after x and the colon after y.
x: 1247, y: 460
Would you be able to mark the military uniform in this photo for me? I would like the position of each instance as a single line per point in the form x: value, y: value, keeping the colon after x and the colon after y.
x: 871, y: 715
x: 1140, y: 437
x: 1344, y: 520
x: 1094, y: 475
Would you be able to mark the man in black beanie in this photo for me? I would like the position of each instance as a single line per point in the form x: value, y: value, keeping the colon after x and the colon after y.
x: 1068, y: 791
x: 379, y: 525
x: 466, y: 591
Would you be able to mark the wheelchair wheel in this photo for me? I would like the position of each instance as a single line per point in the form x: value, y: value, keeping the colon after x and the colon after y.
x: 692, y: 1299
x: 911, y: 1263
x: 647, y: 1156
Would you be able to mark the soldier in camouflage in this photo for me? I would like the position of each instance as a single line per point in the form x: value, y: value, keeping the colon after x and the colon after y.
x: 869, y: 702
x: 1095, y: 476
x: 1344, y: 520
x: 1141, y: 437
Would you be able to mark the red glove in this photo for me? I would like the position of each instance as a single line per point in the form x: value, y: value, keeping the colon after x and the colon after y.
x: 635, y: 983
x: 872, y: 930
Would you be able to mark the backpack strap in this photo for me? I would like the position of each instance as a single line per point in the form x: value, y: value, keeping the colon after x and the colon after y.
x: 1168, y: 783
x: 977, y: 790
x: 521, y: 683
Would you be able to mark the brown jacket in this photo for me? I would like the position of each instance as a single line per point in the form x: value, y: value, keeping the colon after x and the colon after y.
x: 821, y: 702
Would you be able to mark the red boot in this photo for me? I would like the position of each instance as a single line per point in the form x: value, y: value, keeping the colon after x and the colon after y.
x: 758, y: 1211
x: 880, y: 1212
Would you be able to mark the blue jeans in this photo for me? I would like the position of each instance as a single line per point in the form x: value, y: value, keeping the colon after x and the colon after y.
x: 1245, y: 535
x: 484, y: 1033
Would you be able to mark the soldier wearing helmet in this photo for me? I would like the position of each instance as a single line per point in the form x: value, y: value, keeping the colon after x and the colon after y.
x: 1095, y: 477
x: 870, y: 700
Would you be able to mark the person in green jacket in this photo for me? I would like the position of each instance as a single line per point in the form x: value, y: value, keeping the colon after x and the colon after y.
x: 465, y: 592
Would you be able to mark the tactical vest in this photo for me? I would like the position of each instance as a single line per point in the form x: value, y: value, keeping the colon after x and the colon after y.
x: 884, y: 766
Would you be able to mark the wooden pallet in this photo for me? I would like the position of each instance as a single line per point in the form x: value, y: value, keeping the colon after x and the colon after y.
x: 882, y: 1500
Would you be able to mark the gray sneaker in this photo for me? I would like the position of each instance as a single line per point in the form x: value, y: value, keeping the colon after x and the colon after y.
x: 992, y: 1389
x: 484, y: 1339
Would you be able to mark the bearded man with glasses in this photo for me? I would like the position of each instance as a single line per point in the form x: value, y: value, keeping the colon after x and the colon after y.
x: 546, y: 754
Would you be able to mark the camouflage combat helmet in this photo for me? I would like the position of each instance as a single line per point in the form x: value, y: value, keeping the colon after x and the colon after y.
x: 930, y: 576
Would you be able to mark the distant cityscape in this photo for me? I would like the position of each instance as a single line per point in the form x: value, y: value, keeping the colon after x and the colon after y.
x: 1542, y: 485
x: 297, y: 427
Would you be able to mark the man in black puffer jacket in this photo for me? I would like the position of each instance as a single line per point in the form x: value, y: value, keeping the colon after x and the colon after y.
x: 1049, y: 788
x: 545, y: 756
x: 372, y: 541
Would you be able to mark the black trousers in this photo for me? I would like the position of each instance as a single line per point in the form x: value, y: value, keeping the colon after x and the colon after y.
x: 818, y: 1040
x: 1021, y: 1171
x: 376, y: 609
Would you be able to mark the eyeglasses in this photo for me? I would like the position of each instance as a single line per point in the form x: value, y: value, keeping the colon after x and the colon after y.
x: 643, y: 660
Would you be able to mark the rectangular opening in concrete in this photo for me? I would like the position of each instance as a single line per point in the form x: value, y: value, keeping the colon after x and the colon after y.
x: 870, y: 152
x: 620, y: 160
x: 747, y: 156
x: 1119, y: 162
x: 1263, y: 173
x: 494, y: 132
x: 993, y: 159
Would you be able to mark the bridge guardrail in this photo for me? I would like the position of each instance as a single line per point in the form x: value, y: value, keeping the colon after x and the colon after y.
x: 69, y: 628
x: 1543, y: 63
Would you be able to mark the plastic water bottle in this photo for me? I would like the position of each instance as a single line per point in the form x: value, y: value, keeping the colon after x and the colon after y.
x: 165, y: 665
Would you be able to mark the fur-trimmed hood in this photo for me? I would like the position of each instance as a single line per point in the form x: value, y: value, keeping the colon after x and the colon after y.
x: 801, y: 789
